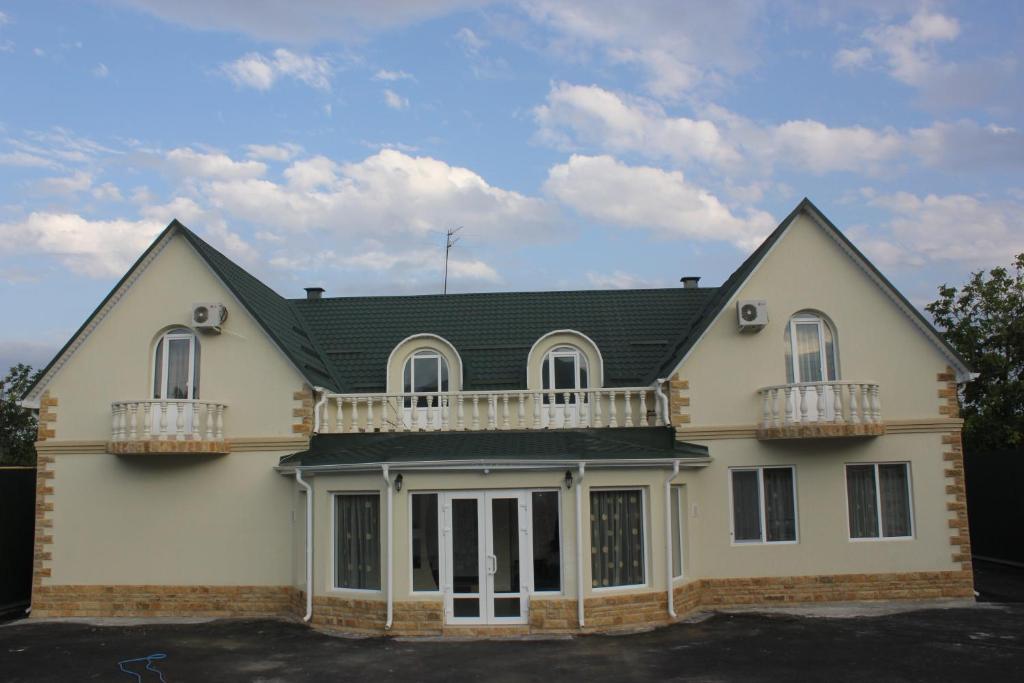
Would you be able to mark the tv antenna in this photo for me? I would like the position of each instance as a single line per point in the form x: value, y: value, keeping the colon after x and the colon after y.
x: 450, y: 241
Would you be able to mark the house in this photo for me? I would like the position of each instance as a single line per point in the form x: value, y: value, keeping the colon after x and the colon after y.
x: 504, y: 462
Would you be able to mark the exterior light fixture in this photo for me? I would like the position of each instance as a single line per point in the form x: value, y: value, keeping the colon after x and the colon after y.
x: 568, y: 479
x: 398, y: 482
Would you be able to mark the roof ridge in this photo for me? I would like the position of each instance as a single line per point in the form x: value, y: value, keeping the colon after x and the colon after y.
x: 506, y: 293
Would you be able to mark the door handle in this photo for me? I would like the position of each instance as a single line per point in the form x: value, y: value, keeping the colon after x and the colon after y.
x: 492, y: 564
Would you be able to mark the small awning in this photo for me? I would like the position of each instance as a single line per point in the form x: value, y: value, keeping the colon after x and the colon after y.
x: 544, y: 445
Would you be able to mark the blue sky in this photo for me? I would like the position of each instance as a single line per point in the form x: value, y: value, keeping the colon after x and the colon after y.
x: 578, y: 143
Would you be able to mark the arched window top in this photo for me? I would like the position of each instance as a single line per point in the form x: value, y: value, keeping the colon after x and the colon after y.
x: 176, y: 365
x: 558, y: 351
x: 812, y: 348
x: 420, y: 351
x: 426, y: 370
x: 565, y: 368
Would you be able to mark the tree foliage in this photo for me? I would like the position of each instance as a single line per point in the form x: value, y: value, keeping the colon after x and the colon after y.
x: 984, y: 321
x: 17, y: 424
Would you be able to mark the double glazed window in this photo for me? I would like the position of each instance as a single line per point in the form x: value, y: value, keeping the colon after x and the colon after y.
x: 810, y: 349
x: 176, y: 365
x: 425, y: 372
x: 878, y: 496
x: 357, y: 541
x: 617, y: 538
x: 565, y: 371
x: 763, y: 505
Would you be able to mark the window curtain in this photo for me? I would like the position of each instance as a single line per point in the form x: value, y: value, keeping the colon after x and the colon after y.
x: 425, y: 564
x: 808, y: 348
x: 357, y: 527
x: 746, y: 506
x: 177, y: 368
x: 860, y: 493
x: 780, y: 505
x: 893, y: 485
x: 616, y: 538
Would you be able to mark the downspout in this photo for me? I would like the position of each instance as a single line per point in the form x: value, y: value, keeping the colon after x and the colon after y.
x: 668, y: 539
x: 309, y: 543
x: 662, y: 399
x: 579, y: 546
x: 390, y: 565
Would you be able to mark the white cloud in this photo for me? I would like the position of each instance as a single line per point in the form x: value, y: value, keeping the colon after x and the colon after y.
x: 470, y: 41
x: 618, y: 280
x: 848, y: 58
x: 609, y: 191
x: 255, y: 70
x: 283, y: 152
x: 419, y: 261
x: 107, y: 192
x: 191, y: 163
x: 6, y: 46
x: 79, y: 181
x: 394, y: 100
x: 909, y: 48
x: 101, y: 70
x: 4, y: 19
x: 22, y: 158
x: 978, y: 232
x: 95, y: 248
x: 385, y: 75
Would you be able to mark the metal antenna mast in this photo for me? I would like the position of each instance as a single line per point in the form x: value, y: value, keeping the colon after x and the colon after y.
x: 450, y: 241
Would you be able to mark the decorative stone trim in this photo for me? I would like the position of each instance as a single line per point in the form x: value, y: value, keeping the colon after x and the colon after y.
x: 820, y: 431
x: 43, y: 543
x: 350, y: 615
x: 168, y: 447
x: 163, y: 601
x: 47, y: 417
x: 679, y: 401
x: 303, y: 414
x: 836, y: 588
x: 953, y: 457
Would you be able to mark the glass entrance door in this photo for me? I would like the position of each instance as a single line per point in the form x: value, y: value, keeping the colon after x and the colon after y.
x: 487, y: 541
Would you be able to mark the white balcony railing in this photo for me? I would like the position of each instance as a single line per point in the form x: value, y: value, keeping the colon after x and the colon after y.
x: 487, y: 410
x: 170, y: 419
x: 816, y: 403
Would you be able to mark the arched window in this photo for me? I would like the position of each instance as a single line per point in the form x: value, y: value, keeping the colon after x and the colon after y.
x: 426, y: 371
x: 811, y: 353
x: 176, y: 365
x: 564, y: 370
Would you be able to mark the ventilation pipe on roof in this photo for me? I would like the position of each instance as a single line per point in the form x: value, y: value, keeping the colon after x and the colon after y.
x: 309, y: 543
x: 314, y: 293
x: 668, y: 539
x: 689, y: 281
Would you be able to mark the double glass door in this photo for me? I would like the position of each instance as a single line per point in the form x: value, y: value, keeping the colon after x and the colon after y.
x: 487, y: 549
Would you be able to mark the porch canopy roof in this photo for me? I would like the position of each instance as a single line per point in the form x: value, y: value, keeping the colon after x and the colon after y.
x: 607, y: 445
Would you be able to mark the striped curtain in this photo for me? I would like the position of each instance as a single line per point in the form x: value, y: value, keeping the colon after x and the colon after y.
x: 860, y: 490
x: 893, y: 485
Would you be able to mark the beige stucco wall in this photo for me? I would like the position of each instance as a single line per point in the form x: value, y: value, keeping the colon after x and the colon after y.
x: 240, y: 367
x: 877, y: 342
x: 171, y: 519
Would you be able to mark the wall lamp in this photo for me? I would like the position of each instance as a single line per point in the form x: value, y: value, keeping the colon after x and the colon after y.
x: 568, y: 479
x: 398, y: 482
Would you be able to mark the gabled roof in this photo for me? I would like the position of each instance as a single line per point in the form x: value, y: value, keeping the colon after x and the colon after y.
x: 724, y: 294
x: 571, y: 445
x: 343, y: 343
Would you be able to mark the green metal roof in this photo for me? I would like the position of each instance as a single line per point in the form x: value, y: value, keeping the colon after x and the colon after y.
x: 625, y: 443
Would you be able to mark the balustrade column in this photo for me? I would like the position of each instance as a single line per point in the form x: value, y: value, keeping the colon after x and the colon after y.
x: 766, y: 415
x: 597, y: 408
x: 476, y: 412
x: 220, y: 421
x: 644, y: 422
x: 505, y: 424
x: 492, y: 411
x: 789, y: 405
x: 211, y: 416
x: 460, y: 422
x: 179, y: 426
x: 551, y: 410
x: 163, y: 419
x: 354, y: 403
x: 776, y: 413
x: 877, y: 402
x: 521, y: 411
x: 147, y: 423
x: 613, y: 420
x: 854, y: 417
x: 837, y: 400
x: 627, y: 400
x: 802, y: 394
x: 538, y: 403
x: 195, y: 419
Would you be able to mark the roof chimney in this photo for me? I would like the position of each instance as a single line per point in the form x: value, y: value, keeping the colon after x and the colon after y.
x: 314, y: 293
x: 690, y: 281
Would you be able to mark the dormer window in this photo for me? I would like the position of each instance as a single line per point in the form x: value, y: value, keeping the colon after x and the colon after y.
x: 565, y: 371
x: 810, y: 349
x: 176, y: 366
x: 426, y: 371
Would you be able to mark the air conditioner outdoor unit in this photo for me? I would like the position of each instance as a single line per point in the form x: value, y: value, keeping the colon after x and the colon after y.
x: 209, y: 317
x: 752, y: 314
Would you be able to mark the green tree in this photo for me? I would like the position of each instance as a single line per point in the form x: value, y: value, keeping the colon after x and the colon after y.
x: 984, y: 321
x: 17, y: 424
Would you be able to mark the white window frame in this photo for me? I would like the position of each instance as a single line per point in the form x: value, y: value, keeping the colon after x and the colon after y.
x: 809, y: 318
x: 564, y: 351
x: 679, y: 512
x: 643, y: 533
x: 163, y: 345
x: 561, y: 541
x: 761, y: 508
x: 878, y: 502
x: 441, y: 555
x: 410, y: 363
x: 334, y: 543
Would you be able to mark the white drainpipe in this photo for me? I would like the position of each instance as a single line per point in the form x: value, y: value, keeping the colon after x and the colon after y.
x: 309, y: 543
x: 662, y: 399
x: 579, y: 545
x: 390, y: 565
x: 668, y: 538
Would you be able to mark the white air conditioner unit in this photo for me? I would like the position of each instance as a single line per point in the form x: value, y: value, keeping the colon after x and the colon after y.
x: 209, y: 317
x: 752, y: 314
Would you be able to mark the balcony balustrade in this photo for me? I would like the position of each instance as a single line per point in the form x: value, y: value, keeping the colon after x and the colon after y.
x: 820, y: 409
x: 488, y: 410
x: 167, y: 426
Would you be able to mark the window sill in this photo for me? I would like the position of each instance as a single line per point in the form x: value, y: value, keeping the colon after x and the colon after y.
x: 882, y: 538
